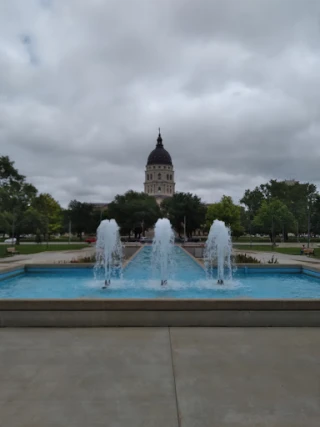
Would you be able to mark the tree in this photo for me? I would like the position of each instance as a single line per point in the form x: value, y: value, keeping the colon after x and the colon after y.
x: 315, y: 216
x: 273, y: 216
x: 134, y: 212
x: 298, y: 197
x: 8, y: 172
x: 5, y: 222
x: 81, y: 216
x: 33, y: 222
x: 226, y: 211
x: 16, y: 195
x: 51, y: 212
x: 252, y: 200
x: 184, y: 206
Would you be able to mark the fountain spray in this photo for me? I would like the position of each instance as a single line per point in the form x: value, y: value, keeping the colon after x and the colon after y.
x: 217, y: 252
x: 109, y: 250
x: 163, y: 243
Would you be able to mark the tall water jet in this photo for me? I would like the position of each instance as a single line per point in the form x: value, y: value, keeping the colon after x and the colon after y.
x: 162, y: 247
x: 109, y: 250
x: 217, y: 252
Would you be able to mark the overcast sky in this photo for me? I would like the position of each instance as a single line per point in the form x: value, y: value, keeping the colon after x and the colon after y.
x: 233, y: 84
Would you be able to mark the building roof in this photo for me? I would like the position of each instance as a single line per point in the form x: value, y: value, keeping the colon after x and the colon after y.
x: 159, y: 156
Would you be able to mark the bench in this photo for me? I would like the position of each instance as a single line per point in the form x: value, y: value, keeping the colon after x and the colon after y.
x: 307, y: 251
x: 12, y: 251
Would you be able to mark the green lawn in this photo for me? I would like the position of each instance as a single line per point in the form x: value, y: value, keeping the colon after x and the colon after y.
x: 289, y: 251
x: 34, y: 249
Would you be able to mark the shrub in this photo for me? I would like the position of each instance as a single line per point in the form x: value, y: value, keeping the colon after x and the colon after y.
x: 273, y: 260
x: 246, y: 259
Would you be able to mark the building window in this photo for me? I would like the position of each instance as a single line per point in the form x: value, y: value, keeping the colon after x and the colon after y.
x: 167, y: 177
x: 159, y: 189
x: 151, y: 176
x: 147, y: 177
x: 159, y: 175
x: 170, y: 177
x: 154, y: 167
x: 170, y: 190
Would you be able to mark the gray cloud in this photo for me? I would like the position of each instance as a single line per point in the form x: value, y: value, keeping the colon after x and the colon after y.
x: 233, y: 85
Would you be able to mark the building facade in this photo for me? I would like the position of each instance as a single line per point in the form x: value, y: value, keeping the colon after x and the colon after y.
x: 159, y: 174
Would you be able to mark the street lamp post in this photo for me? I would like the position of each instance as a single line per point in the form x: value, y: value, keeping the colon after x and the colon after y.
x: 309, y: 226
x: 12, y: 227
x: 250, y: 230
x: 69, y: 231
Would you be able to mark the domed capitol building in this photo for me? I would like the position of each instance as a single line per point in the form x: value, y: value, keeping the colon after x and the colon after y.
x: 159, y: 174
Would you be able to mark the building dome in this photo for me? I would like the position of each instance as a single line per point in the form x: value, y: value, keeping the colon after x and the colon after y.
x: 159, y: 156
x: 159, y: 173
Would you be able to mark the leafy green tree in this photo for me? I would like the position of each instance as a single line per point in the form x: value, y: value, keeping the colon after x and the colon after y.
x: 16, y: 196
x: 298, y: 197
x: 33, y: 221
x: 226, y: 211
x: 273, y: 216
x: 252, y: 200
x: 185, y: 206
x: 8, y: 172
x: 51, y: 213
x: 5, y: 222
x: 134, y: 212
x: 81, y: 217
x: 315, y: 216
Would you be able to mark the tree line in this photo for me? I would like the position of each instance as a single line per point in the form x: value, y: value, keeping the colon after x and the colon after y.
x: 277, y: 207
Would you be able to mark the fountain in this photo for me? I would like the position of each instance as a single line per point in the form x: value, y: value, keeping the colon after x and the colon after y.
x: 108, y: 250
x: 163, y: 243
x: 217, y: 252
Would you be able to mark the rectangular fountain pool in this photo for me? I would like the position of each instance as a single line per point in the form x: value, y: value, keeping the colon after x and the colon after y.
x: 141, y: 281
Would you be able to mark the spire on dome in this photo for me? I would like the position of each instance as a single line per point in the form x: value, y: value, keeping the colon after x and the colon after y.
x: 159, y: 140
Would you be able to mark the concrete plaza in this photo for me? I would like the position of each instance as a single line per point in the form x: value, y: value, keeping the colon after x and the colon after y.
x: 166, y: 377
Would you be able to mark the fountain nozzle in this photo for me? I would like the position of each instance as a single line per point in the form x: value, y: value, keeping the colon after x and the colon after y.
x: 106, y: 283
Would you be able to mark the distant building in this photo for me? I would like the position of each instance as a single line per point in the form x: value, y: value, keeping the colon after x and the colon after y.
x: 159, y: 174
x: 291, y: 181
x: 100, y: 206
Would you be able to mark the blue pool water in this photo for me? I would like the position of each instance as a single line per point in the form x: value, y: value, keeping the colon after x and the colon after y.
x: 141, y: 281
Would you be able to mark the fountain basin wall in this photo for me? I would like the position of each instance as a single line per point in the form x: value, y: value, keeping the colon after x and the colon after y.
x: 160, y: 312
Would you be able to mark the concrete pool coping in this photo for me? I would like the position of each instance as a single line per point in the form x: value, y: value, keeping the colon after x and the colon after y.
x: 103, y: 312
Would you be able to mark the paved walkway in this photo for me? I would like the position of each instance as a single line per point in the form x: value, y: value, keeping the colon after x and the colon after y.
x: 160, y: 377
x: 46, y: 257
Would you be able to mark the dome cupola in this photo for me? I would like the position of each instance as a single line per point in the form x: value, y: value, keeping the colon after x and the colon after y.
x: 159, y: 156
x: 159, y: 173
